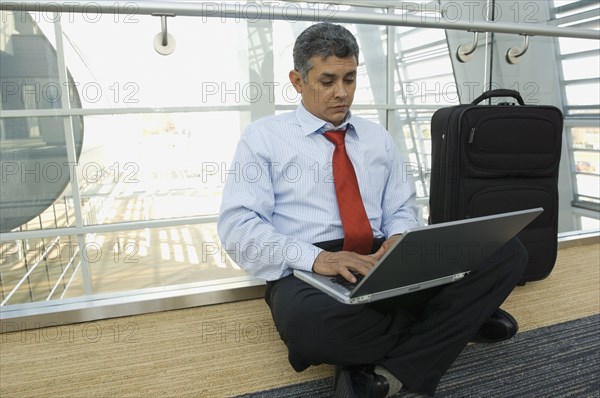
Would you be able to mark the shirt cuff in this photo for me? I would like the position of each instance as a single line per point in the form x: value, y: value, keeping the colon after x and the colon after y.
x: 305, y: 257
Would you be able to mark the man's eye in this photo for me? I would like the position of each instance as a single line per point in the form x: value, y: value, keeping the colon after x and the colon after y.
x: 327, y: 83
x: 349, y: 80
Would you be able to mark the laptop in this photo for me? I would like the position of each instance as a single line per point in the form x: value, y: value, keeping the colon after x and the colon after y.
x: 427, y: 256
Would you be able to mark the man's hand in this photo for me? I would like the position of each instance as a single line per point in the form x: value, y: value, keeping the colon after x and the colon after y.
x: 385, y: 246
x: 341, y: 263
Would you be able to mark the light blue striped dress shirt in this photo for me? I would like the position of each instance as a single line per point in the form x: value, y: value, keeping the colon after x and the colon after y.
x: 280, y: 198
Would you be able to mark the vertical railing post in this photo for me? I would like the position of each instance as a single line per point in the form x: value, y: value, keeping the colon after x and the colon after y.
x: 71, y: 153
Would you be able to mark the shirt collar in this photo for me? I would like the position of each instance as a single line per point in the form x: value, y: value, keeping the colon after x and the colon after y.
x: 309, y: 123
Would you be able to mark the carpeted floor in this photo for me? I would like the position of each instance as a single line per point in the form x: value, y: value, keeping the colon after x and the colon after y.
x: 554, y: 361
x: 232, y: 349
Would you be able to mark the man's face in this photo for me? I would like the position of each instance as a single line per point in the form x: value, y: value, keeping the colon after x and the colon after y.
x: 329, y: 89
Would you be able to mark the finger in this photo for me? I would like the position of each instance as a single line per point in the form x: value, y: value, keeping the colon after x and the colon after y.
x: 385, y: 247
x: 362, y: 269
x: 345, y: 272
x: 379, y: 253
x: 355, y: 262
x: 369, y: 260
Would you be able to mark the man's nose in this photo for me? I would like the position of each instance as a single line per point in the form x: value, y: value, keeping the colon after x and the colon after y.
x: 340, y: 90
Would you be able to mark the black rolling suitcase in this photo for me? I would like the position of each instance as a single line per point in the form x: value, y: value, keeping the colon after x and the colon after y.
x: 489, y: 159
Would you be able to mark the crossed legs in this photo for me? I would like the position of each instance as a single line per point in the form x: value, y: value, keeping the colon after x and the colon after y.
x: 416, y: 337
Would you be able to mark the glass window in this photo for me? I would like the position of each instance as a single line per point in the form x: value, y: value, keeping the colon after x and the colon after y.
x: 156, y: 166
x: 154, y: 135
x: 40, y: 269
x: 33, y: 150
x: 581, y: 79
x: 583, y: 94
x: 116, y: 66
x: 570, y: 45
x: 572, y: 68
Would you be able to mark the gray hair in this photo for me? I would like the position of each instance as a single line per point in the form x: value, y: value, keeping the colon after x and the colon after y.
x: 323, y: 39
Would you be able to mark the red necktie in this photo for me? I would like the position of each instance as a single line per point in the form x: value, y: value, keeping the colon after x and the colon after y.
x: 358, y: 235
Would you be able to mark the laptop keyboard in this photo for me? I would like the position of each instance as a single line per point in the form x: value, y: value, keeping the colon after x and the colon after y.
x: 340, y: 280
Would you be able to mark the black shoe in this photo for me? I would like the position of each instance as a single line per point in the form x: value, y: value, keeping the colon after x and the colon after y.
x: 499, y: 327
x: 359, y: 382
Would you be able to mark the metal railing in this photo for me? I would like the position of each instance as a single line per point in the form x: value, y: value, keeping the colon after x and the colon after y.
x: 40, y: 257
x: 415, y: 15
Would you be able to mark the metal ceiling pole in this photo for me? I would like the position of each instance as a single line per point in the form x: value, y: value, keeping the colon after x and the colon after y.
x: 293, y: 12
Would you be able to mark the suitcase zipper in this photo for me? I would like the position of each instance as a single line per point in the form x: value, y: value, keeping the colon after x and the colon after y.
x: 447, y: 170
x: 454, y: 167
x: 442, y: 186
x: 471, y: 135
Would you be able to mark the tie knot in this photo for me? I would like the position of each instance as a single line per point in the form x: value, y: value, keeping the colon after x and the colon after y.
x: 335, y: 136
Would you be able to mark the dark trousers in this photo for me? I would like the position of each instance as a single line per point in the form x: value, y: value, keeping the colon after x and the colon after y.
x: 415, y: 336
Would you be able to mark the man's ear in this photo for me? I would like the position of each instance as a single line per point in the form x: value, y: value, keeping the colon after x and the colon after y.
x: 296, y: 80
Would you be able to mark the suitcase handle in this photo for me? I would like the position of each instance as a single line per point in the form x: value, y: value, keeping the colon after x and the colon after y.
x: 502, y: 92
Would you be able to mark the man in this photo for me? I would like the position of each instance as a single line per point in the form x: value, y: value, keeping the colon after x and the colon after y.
x: 281, y: 212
